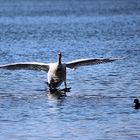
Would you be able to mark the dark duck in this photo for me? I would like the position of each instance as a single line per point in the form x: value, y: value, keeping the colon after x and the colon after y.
x: 136, y: 104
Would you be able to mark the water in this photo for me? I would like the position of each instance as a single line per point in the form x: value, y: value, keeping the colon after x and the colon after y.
x: 99, y: 105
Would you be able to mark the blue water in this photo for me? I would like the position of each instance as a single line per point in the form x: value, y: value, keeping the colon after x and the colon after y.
x: 99, y: 105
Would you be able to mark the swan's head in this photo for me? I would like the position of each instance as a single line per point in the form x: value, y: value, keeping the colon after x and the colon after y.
x: 59, y: 55
x: 136, y: 101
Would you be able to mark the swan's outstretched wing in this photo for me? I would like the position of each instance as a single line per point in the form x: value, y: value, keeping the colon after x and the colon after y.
x: 90, y: 61
x: 26, y: 66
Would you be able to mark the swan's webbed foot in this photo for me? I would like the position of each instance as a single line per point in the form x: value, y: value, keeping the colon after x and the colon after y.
x: 53, y: 90
x: 56, y: 94
x: 66, y: 89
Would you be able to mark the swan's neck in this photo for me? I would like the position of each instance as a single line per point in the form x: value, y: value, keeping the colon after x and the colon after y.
x: 59, y: 59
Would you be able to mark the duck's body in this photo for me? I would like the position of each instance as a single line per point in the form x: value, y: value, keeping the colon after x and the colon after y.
x: 136, y: 104
x: 56, y: 71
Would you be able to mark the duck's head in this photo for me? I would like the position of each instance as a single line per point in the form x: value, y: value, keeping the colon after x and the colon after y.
x: 136, y: 101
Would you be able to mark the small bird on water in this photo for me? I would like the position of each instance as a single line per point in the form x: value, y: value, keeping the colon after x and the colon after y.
x: 56, y: 71
x: 136, y: 104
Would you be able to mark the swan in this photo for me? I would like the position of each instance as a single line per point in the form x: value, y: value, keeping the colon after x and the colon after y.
x: 56, y: 71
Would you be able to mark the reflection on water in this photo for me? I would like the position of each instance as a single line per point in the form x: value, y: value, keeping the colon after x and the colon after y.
x: 99, y: 105
x: 57, y: 94
x: 81, y: 113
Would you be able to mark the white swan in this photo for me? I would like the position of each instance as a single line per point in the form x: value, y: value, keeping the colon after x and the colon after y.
x: 56, y: 71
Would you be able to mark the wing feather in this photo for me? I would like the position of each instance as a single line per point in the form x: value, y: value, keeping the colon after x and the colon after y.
x: 26, y: 66
x: 90, y: 61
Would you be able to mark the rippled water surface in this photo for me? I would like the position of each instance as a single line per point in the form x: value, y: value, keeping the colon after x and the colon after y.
x: 99, y: 105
